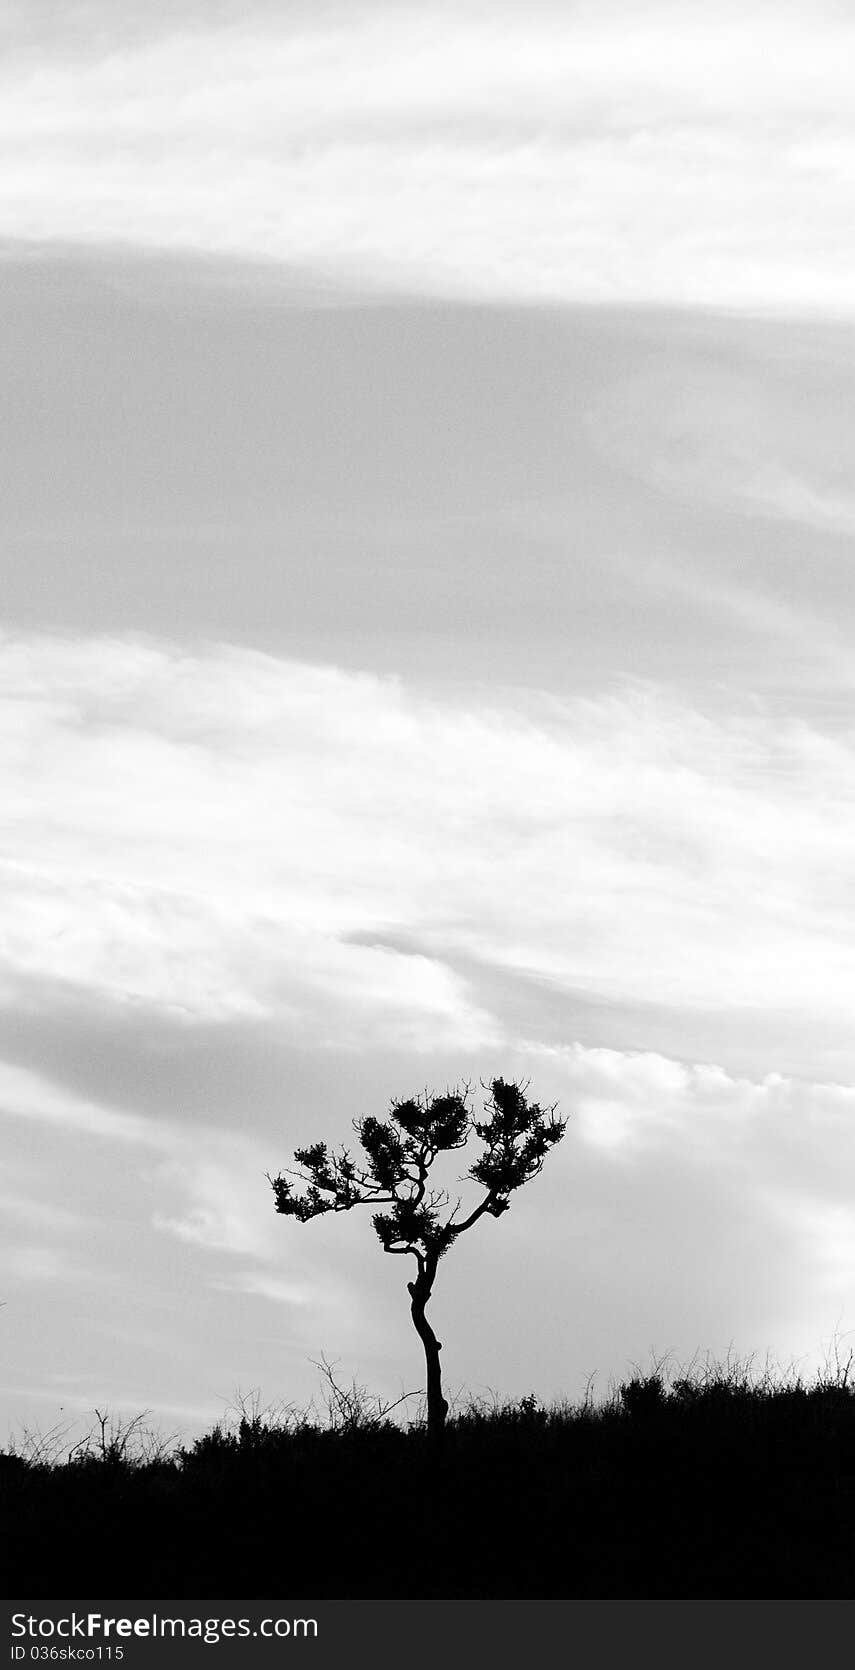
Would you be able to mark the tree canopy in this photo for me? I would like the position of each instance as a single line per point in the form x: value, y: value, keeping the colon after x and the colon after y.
x: 399, y: 1152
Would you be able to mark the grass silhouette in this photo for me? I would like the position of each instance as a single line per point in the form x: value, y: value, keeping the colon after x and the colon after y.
x: 717, y: 1482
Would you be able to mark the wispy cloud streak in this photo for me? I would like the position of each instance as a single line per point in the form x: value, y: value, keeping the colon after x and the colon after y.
x: 227, y: 834
x: 630, y: 152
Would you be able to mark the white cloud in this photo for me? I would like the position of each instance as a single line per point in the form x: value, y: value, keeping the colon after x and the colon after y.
x: 38, y: 1214
x: 712, y: 436
x: 33, y: 1096
x: 37, y: 1265
x: 781, y: 1131
x: 226, y: 834
x: 259, y: 1284
x: 220, y: 1185
x: 190, y: 855
x: 611, y: 154
x: 780, y: 494
x: 780, y: 1151
x: 202, y: 1186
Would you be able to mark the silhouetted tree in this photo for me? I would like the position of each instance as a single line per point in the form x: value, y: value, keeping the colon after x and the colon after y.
x: 516, y: 1135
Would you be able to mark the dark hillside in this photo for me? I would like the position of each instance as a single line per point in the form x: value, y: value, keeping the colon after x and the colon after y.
x: 714, y: 1487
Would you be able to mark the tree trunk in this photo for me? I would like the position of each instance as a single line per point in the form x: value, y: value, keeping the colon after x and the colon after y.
x: 437, y: 1408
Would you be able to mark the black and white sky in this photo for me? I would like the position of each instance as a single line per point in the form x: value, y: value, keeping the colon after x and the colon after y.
x: 426, y: 652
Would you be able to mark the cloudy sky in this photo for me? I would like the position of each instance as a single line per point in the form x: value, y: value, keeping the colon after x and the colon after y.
x: 425, y: 653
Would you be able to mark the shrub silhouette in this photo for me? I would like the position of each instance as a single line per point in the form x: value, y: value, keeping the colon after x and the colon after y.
x: 517, y: 1135
x: 643, y: 1397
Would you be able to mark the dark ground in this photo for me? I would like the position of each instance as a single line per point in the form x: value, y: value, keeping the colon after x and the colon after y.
x: 712, y: 1488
